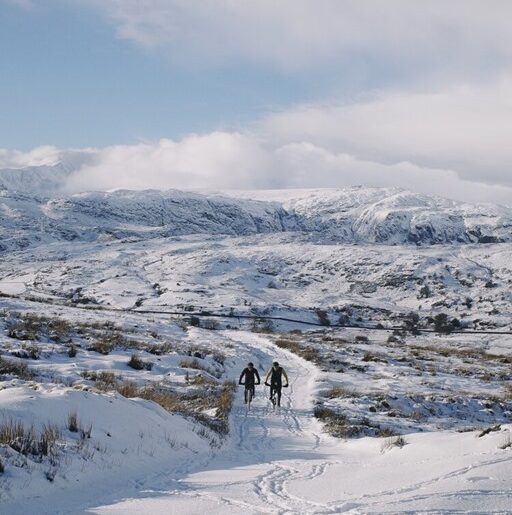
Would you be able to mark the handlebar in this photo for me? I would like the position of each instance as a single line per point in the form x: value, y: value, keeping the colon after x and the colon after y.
x: 268, y: 384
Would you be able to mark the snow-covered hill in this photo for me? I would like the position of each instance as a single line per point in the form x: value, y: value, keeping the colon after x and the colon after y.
x: 355, y: 215
x: 86, y: 279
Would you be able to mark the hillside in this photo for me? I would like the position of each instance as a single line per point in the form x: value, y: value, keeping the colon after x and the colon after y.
x: 34, y: 212
x: 115, y: 376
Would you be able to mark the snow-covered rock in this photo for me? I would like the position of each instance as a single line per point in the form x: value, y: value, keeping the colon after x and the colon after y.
x: 354, y: 215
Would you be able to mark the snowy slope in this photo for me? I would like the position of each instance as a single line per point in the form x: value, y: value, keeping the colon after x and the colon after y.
x: 391, y: 216
x: 357, y: 256
x: 282, y: 462
x: 354, y: 215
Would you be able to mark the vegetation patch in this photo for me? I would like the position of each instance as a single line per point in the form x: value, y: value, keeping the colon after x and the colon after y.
x: 15, y: 368
x: 305, y: 352
x: 138, y: 363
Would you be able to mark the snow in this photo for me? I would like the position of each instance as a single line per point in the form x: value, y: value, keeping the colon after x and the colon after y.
x: 274, y: 461
x: 280, y: 462
x: 364, y: 256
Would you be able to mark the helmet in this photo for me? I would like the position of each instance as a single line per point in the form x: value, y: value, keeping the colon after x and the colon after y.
x: 250, y: 364
x: 275, y: 364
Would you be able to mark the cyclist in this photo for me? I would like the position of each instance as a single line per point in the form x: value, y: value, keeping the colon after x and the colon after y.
x: 251, y: 376
x: 275, y: 375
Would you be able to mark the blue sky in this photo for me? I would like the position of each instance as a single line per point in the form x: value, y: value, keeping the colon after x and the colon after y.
x: 70, y: 81
x: 295, y: 93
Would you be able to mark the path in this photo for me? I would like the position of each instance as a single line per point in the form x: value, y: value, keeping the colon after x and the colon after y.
x: 269, y: 449
x: 279, y: 462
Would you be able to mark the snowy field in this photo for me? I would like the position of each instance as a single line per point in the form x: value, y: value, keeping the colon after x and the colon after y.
x: 142, y: 459
x: 107, y: 408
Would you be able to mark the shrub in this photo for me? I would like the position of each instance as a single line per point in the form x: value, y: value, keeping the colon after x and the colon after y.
x: 262, y: 325
x: 211, y: 324
x: 105, y: 380
x: 226, y: 399
x: 33, y: 352
x: 307, y: 353
x: 192, y: 405
x: 50, y: 435
x: 425, y: 292
x: 128, y: 389
x: 191, y: 363
x: 443, y: 325
x: 336, y: 424
x: 72, y: 351
x: 194, y: 321
x: 15, y: 368
x: 102, y: 347
x: 26, y: 441
x: 73, y: 422
x: 85, y: 432
x: 138, y: 364
x: 2, y: 468
x: 368, y: 356
x: 323, y: 317
x: 337, y: 392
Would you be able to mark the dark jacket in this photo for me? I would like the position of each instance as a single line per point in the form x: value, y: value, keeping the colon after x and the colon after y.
x: 251, y: 375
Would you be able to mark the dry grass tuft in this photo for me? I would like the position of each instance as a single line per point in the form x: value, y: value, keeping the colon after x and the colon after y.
x: 27, y: 441
x: 307, y: 353
x: 192, y: 363
x: 340, y: 392
x: 397, y: 441
x: 73, y: 424
x: 15, y: 368
x: 138, y: 363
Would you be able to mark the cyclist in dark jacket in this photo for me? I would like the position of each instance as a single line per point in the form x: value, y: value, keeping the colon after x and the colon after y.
x: 251, y: 376
x: 275, y: 375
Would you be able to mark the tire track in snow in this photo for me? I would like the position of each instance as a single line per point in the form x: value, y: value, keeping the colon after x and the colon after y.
x: 376, y: 499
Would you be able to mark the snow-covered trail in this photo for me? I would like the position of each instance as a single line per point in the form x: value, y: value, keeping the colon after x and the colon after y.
x: 268, y: 449
x: 279, y: 462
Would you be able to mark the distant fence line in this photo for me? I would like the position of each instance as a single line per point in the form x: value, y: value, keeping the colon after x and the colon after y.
x: 256, y: 317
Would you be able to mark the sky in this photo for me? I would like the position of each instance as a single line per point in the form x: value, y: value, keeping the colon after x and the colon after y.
x: 261, y: 94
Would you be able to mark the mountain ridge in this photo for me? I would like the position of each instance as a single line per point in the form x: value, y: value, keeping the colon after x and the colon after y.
x: 31, y: 215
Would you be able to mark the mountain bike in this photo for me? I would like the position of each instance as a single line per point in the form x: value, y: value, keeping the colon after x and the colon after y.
x: 248, y: 394
x: 275, y: 394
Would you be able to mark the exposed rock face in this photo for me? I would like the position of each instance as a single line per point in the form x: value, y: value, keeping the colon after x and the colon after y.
x: 358, y: 215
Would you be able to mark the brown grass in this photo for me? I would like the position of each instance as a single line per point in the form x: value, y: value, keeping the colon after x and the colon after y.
x: 307, y: 353
x: 340, y: 392
x: 192, y: 363
x: 15, y: 368
x: 26, y: 440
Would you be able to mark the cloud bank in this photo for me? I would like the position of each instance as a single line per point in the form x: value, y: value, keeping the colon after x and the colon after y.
x: 454, y: 143
x: 442, y: 126
x: 223, y: 160
x: 235, y: 161
x: 459, y: 35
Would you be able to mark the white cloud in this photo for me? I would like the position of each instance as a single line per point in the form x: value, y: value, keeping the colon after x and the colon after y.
x: 231, y: 160
x: 223, y: 160
x: 297, y: 34
x: 465, y: 128
x: 39, y: 156
x: 215, y: 160
x: 305, y: 165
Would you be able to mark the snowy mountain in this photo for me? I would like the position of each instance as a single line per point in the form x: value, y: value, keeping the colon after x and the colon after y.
x: 355, y: 215
x: 45, y: 180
